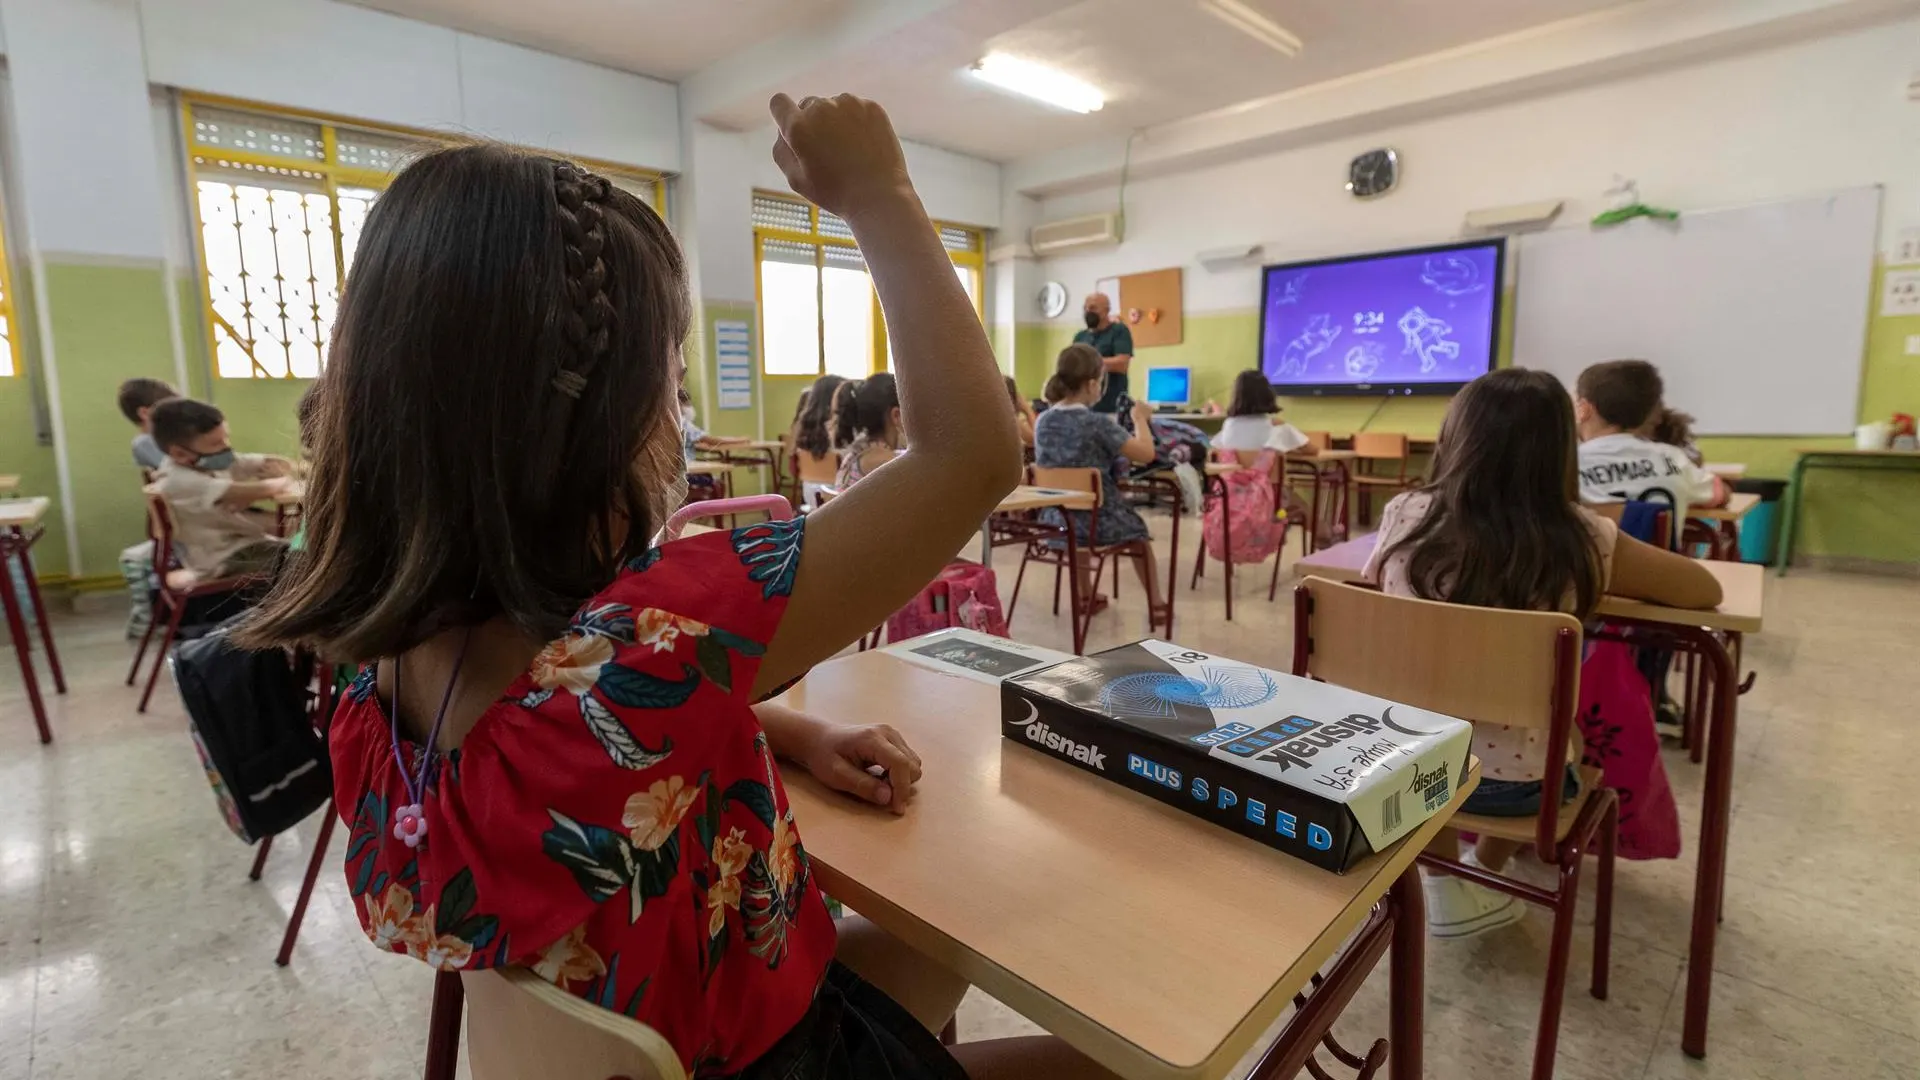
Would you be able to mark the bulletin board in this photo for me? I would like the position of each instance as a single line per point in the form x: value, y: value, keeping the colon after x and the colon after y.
x: 1155, y: 291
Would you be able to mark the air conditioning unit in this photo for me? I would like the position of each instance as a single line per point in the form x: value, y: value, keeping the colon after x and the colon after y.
x: 1094, y: 230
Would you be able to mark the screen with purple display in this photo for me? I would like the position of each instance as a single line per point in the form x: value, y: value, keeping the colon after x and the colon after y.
x: 1423, y: 321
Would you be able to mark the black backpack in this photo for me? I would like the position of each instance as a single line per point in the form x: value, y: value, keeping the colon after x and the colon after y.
x: 248, y: 715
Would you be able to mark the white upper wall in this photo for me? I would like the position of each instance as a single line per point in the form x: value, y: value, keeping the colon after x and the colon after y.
x: 955, y: 188
x: 349, y: 61
x: 1826, y: 114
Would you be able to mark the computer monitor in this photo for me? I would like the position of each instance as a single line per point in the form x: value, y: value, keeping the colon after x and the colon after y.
x: 1169, y: 386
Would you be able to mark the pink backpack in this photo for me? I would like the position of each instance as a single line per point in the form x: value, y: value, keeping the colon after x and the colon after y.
x: 1256, y: 535
x: 965, y: 594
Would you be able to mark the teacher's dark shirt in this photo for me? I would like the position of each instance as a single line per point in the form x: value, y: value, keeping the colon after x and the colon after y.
x: 1112, y: 340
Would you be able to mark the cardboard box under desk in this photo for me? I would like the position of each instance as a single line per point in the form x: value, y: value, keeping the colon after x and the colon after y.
x: 1320, y: 772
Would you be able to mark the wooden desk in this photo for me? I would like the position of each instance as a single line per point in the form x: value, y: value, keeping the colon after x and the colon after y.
x: 1122, y: 925
x: 712, y: 468
x: 1723, y: 522
x: 1022, y: 531
x: 1832, y: 459
x: 1700, y: 633
x: 1728, y: 470
x: 19, y: 530
x: 1193, y: 417
x: 8, y: 483
x: 1738, y: 505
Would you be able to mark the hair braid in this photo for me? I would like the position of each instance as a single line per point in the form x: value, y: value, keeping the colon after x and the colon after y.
x: 587, y: 321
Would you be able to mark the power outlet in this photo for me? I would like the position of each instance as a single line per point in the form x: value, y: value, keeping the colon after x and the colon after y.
x: 1913, y: 344
x: 1906, y: 247
x: 1900, y: 293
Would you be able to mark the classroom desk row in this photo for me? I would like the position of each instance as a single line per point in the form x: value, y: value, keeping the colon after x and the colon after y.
x: 1714, y: 637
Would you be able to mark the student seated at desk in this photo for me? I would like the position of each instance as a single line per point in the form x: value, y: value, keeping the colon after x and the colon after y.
x: 1250, y: 425
x: 870, y: 430
x: 137, y: 399
x: 1070, y: 435
x: 1499, y: 525
x: 1613, y: 402
x: 812, y: 438
x: 211, y: 491
x: 554, y: 743
x: 1022, y: 412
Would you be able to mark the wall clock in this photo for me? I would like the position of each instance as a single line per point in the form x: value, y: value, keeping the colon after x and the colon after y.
x: 1373, y: 173
x: 1052, y: 299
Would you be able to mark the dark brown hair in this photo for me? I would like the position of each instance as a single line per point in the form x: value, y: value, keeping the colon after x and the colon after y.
x: 1671, y: 426
x: 1075, y: 367
x: 1623, y: 392
x: 495, y: 425
x: 840, y: 414
x: 873, y: 401
x: 137, y: 394
x: 1503, y: 529
x: 1252, y: 395
x: 178, y: 421
x: 813, y: 437
x: 1014, y: 397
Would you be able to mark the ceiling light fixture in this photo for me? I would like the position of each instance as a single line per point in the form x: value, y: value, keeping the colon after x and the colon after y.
x: 1039, y: 82
x: 1255, y: 25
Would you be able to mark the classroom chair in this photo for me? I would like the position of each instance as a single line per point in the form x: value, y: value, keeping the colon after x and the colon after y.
x: 326, y: 679
x: 1318, y: 476
x: 1519, y: 668
x: 525, y: 1028
x: 1374, y: 453
x: 1277, y: 478
x: 177, y: 587
x: 1040, y: 551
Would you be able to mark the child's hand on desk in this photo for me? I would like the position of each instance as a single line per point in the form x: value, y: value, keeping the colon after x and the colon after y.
x: 872, y: 763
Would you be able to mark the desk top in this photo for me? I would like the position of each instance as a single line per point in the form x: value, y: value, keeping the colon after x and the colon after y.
x: 23, y: 513
x: 1726, y: 470
x: 712, y: 468
x: 1126, y: 927
x: 756, y: 444
x: 1190, y: 417
x: 1905, y: 455
x: 1739, y: 610
x: 1738, y: 504
x: 9, y: 483
x: 1028, y: 497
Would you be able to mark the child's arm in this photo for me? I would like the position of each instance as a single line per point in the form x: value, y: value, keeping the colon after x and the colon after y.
x: 241, y: 494
x: 1139, y: 449
x: 868, y: 551
x: 1645, y: 572
x: 840, y: 756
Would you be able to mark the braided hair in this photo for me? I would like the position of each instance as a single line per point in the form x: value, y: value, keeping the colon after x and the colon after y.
x: 587, y: 321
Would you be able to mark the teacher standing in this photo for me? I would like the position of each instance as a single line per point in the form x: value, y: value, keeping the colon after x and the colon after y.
x: 1114, y: 342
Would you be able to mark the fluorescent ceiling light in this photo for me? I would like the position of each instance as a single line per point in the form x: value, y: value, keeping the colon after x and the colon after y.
x: 1255, y: 25
x: 1039, y: 82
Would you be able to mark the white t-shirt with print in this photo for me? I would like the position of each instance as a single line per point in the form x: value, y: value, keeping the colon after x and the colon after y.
x: 1625, y: 467
x: 1254, y: 433
x: 208, y: 532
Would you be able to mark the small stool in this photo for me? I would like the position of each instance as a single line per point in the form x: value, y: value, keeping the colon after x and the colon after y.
x: 15, y: 542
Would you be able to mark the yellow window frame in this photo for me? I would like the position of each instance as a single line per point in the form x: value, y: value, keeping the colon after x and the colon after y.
x: 333, y: 175
x: 974, y: 259
x: 15, y: 365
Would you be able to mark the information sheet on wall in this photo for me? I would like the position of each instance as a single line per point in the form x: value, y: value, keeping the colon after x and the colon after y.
x: 733, y: 353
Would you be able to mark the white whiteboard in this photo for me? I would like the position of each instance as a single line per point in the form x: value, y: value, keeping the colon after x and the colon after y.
x: 1756, y: 316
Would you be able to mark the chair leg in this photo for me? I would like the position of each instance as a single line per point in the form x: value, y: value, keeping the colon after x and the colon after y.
x: 1025, y: 556
x: 1547, y: 1043
x: 160, y: 658
x: 1199, y: 564
x: 1056, y: 586
x: 46, y: 628
x: 1603, y: 902
x: 153, y: 623
x: 23, y: 650
x: 443, y: 1027
x: 1279, y: 554
x: 314, y: 863
x: 260, y: 858
x: 1116, y: 581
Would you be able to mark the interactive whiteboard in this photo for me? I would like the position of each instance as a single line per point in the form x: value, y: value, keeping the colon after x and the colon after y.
x: 1756, y: 316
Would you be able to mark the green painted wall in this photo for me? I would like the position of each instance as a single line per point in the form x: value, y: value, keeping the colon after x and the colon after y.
x: 22, y: 453
x: 1852, y: 514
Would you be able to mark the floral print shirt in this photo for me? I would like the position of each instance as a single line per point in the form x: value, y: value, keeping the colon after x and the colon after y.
x: 615, y: 821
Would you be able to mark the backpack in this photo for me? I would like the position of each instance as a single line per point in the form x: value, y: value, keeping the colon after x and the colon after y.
x: 1256, y: 535
x: 965, y: 594
x: 247, y: 715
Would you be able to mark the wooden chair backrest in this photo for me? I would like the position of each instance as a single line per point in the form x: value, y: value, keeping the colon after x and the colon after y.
x: 1614, y: 511
x: 1380, y: 446
x: 160, y: 530
x: 1480, y: 664
x: 519, y: 1026
x: 1319, y: 440
x: 1075, y: 479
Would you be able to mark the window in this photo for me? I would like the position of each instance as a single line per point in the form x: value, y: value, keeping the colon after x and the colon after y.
x: 818, y: 311
x: 9, y: 329
x: 279, y: 202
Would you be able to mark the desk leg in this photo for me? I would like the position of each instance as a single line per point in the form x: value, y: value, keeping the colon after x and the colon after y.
x: 22, y: 641
x: 1226, y: 541
x: 1078, y: 619
x: 1406, y: 975
x: 40, y: 614
x: 1710, y: 876
x: 1790, y: 512
x: 1173, y: 562
x: 986, y: 543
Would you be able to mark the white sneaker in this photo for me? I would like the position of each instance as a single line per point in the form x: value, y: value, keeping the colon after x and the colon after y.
x: 1461, y: 909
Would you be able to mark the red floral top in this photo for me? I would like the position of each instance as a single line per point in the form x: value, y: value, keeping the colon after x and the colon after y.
x: 615, y: 822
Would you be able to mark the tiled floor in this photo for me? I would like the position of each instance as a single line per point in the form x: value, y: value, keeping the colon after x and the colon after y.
x: 131, y: 943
